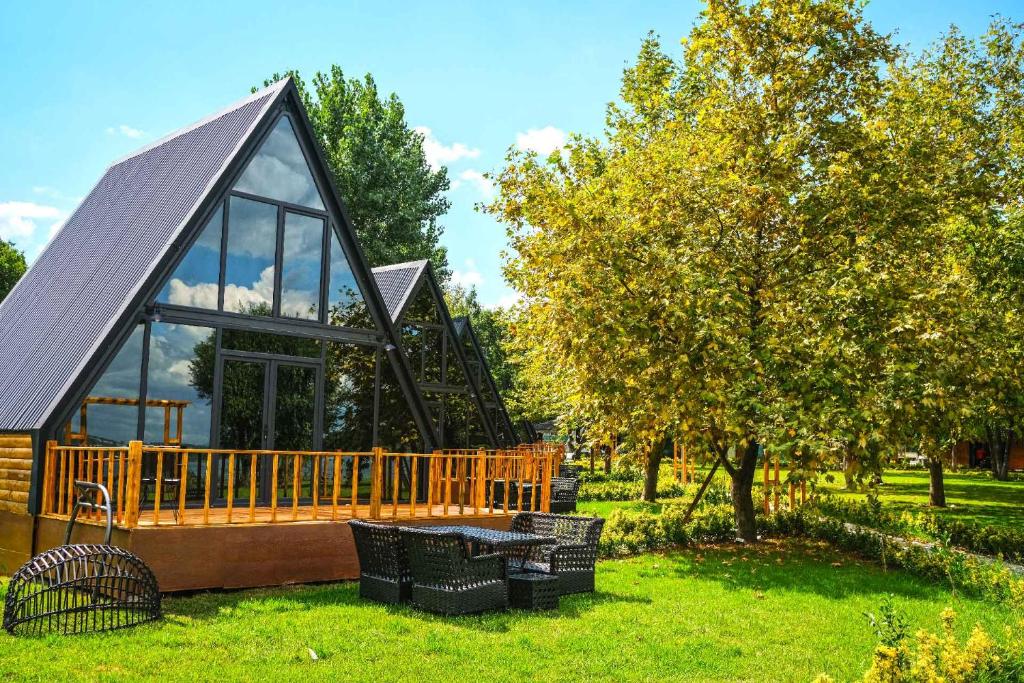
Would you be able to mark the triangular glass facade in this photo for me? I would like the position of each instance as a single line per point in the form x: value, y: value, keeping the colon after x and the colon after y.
x: 279, y: 170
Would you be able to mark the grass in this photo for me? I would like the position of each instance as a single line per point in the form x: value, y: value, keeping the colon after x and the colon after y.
x: 779, y: 611
x: 970, y: 495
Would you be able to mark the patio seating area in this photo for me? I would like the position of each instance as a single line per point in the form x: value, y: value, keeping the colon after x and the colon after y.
x: 468, y: 569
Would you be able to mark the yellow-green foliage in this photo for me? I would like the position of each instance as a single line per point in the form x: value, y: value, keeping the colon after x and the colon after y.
x: 932, y: 657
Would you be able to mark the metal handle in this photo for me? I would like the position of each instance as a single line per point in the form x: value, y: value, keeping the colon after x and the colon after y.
x: 88, y: 490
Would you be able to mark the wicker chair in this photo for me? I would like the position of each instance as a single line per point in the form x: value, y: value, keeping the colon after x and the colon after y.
x: 570, y: 471
x: 384, y: 573
x: 563, y: 494
x: 447, y: 581
x: 573, y: 558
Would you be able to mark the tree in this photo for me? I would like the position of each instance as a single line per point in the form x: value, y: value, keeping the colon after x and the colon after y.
x: 953, y: 117
x: 393, y: 196
x: 697, y: 270
x: 12, y: 267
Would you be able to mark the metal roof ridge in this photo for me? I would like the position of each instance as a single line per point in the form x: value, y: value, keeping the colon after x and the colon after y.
x: 406, y: 264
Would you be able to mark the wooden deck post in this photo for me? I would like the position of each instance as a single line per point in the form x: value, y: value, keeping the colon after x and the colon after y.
x: 134, y: 484
x: 376, y: 482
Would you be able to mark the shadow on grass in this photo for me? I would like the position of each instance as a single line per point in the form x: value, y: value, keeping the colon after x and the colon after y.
x: 796, y: 566
x: 570, y: 607
x: 221, y: 604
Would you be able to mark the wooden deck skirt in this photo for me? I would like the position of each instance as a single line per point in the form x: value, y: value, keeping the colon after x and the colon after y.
x: 190, y: 514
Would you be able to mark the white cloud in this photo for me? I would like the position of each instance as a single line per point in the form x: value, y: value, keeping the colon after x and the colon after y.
x: 543, y: 141
x: 439, y: 154
x: 476, y: 179
x: 507, y: 301
x: 19, y: 221
x: 470, y: 276
x: 126, y: 131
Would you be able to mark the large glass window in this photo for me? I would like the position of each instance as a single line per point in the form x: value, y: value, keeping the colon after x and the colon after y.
x: 195, y: 281
x: 111, y: 408
x: 349, y: 375
x: 300, y: 266
x: 345, y: 304
x: 179, y: 381
x: 249, y: 267
x: 279, y: 170
x: 397, y: 428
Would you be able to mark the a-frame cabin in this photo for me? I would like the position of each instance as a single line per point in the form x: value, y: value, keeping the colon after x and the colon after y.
x: 445, y: 357
x: 205, y: 338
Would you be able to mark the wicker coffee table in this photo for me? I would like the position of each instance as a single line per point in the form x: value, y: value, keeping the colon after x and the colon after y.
x: 533, y: 591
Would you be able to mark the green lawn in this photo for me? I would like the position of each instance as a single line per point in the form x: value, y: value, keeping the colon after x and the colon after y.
x: 970, y: 495
x: 784, y: 611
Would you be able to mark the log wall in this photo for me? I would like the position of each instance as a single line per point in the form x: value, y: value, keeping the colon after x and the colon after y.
x: 15, y: 522
x: 15, y: 472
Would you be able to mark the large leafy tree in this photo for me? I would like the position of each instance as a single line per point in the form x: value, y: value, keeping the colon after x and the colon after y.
x: 954, y: 119
x: 393, y: 196
x: 12, y: 267
x: 699, y: 269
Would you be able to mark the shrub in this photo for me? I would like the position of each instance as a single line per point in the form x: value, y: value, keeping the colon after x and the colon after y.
x: 931, y: 657
x: 976, y: 538
x: 628, y: 532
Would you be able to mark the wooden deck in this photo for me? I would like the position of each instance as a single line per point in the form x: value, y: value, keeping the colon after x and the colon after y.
x: 242, y: 516
x: 243, y: 555
x: 199, y: 530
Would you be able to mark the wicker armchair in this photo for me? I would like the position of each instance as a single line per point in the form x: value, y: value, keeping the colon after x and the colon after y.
x: 573, y: 558
x: 384, y: 573
x: 564, y: 491
x: 570, y: 471
x: 446, y: 580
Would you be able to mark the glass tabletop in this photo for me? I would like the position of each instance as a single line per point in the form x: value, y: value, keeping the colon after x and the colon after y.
x: 494, y: 537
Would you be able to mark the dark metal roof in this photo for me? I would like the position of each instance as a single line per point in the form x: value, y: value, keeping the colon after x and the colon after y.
x: 396, y: 284
x: 65, y: 306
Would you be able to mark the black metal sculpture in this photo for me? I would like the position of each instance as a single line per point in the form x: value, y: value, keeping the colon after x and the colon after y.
x: 77, y: 588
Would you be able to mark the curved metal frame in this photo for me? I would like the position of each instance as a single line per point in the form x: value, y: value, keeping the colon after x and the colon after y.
x: 82, y: 587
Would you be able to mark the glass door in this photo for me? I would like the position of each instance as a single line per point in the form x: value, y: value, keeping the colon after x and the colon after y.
x: 293, y: 427
x: 269, y: 404
x: 243, y: 423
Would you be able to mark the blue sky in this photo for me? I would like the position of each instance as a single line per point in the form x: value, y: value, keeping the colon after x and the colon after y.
x: 86, y: 83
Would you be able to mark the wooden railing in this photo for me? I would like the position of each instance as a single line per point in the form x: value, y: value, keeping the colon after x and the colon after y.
x: 155, y: 485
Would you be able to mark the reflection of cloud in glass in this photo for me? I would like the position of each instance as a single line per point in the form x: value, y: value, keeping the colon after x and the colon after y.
x: 252, y: 228
x: 345, y: 303
x: 249, y: 267
x: 113, y: 424
x: 172, y: 351
x: 199, y: 269
x: 300, y: 270
x: 279, y: 170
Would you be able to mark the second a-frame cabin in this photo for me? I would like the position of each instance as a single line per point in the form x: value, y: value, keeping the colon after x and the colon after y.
x: 447, y: 363
x: 205, y: 339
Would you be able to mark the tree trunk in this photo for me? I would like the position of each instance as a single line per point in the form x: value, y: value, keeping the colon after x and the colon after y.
x: 742, y: 494
x: 607, y: 459
x: 1000, y: 442
x: 653, y: 464
x: 936, y: 485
